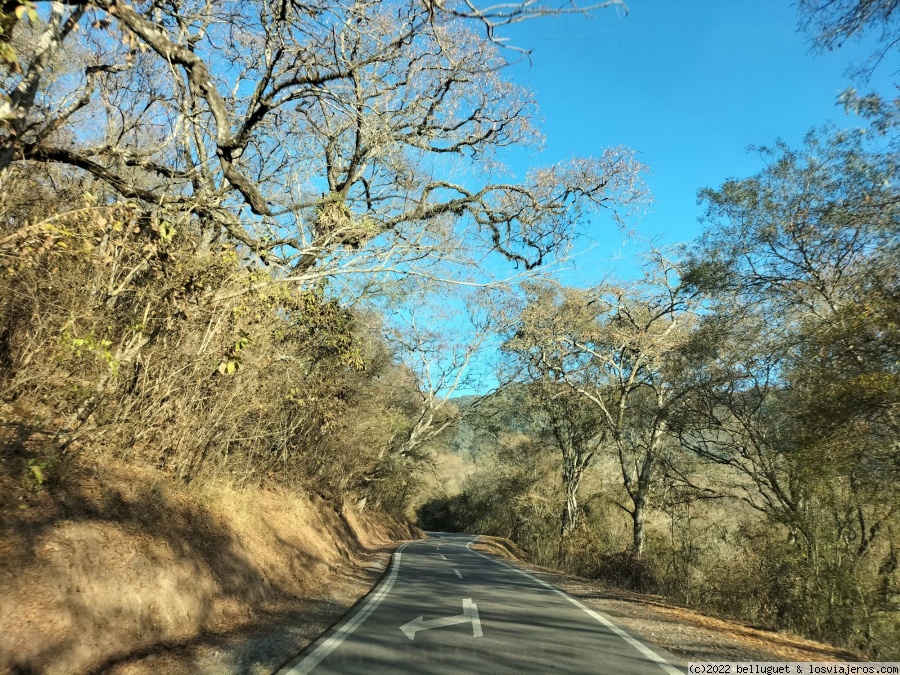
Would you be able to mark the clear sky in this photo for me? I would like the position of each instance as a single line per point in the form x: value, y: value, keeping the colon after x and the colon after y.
x: 690, y: 85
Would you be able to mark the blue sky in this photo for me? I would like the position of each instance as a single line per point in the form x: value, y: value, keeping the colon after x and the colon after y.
x: 690, y: 85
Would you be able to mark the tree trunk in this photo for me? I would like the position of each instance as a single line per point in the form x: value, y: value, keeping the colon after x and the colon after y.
x: 638, y: 515
x: 644, y: 480
x: 570, y: 513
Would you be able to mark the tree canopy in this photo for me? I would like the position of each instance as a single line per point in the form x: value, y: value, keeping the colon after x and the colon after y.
x: 350, y: 138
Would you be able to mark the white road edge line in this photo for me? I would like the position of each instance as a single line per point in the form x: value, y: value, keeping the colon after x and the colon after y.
x: 457, y: 573
x: 313, y: 659
x: 630, y: 639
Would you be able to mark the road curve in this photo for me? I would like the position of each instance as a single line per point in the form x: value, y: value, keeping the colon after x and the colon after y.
x: 444, y: 609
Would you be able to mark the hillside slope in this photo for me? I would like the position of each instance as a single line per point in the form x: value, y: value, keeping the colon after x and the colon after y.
x: 116, y: 569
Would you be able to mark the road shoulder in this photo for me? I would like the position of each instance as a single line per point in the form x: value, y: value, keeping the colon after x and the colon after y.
x: 272, y: 637
x: 687, y: 635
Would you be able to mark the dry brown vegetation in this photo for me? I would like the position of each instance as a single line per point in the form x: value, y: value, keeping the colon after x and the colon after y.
x: 175, y: 466
x: 103, y: 565
x: 201, y: 206
x: 207, y: 210
x: 112, y: 332
x: 724, y: 429
x: 688, y: 635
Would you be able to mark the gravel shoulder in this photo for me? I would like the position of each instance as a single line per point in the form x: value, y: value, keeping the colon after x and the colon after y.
x: 689, y: 635
x: 271, y: 637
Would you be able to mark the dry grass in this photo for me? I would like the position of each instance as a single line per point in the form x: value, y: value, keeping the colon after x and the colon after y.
x: 498, y: 546
x: 107, y: 565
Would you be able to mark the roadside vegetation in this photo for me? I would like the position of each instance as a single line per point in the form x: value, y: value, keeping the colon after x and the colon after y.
x: 209, y: 208
x: 723, y: 430
x: 261, y: 248
x: 215, y: 219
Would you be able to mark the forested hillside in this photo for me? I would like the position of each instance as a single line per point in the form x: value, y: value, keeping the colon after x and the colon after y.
x: 198, y: 196
x: 724, y: 429
x: 279, y: 247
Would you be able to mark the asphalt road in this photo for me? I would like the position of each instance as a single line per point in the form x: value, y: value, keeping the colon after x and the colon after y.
x: 445, y: 609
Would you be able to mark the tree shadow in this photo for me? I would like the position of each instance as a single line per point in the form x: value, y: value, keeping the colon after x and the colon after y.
x: 145, y: 518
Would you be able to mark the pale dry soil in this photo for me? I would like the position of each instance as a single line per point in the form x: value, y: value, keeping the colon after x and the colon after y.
x: 108, y: 568
x: 687, y: 634
x: 267, y: 641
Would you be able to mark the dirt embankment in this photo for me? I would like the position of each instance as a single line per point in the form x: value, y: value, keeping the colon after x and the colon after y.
x: 114, y: 569
x: 689, y: 635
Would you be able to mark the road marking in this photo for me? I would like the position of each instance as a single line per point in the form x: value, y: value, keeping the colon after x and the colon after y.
x: 630, y: 639
x: 443, y: 556
x: 476, y: 620
x: 457, y: 573
x: 470, y: 613
x: 313, y: 659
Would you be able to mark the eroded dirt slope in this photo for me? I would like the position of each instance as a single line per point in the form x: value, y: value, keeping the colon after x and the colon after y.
x: 108, y: 568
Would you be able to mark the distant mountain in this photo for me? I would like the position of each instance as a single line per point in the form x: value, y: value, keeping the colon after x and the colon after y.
x: 485, y: 418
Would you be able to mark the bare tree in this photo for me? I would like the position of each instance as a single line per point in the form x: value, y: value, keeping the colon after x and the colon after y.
x: 442, y: 345
x: 320, y: 137
x: 622, y: 349
x: 571, y: 428
x: 799, y: 422
x: 832, y: 23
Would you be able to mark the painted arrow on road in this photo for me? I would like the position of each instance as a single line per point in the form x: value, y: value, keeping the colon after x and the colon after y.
x: 470, y: 613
